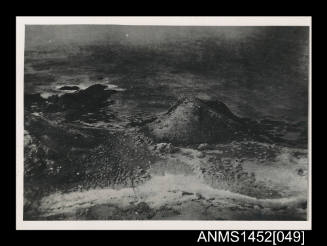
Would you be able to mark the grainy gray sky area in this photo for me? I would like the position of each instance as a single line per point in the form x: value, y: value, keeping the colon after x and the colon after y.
x: 138, y: 35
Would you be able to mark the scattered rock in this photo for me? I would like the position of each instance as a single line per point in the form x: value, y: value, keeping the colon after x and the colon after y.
x: 88, y: 98
x: 33, y: 100
x: 303, y: 205
x: 185, y: 193
x: 200, y: 155
x: 301, y: 172
x: 167, y: 148
x: 69, y: 88
x: 27, y: 138
x: 203, y: 146
x: 199, y: 196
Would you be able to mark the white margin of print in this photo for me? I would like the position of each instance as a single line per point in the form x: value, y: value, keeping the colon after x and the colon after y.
x: 147, y: 224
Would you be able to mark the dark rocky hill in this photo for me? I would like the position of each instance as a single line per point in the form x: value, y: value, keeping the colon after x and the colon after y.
x: 192, y: 120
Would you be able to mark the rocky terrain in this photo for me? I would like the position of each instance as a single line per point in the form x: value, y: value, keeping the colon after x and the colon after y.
x: 166, y: 123
x: 197, y: 159
x: 192, y: 121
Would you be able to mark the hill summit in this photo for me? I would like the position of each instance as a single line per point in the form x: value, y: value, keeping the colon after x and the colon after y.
x: 193, y: 120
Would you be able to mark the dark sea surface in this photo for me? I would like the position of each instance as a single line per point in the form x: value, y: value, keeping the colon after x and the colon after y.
x: 258, y: 72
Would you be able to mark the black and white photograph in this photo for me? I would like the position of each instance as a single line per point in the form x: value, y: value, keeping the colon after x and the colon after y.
x: 164, y: 122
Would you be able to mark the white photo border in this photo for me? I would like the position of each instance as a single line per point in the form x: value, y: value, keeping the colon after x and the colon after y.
x: 147, y: 224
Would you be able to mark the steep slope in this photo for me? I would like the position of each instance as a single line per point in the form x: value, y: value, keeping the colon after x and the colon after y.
x: 192, y: 120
